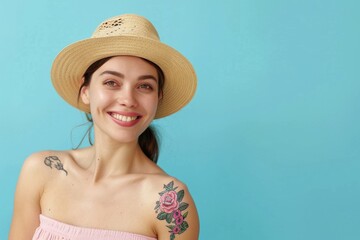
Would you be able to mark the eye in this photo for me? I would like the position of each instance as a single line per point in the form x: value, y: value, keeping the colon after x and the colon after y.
x: 146, y: 86
x: 111, y: 83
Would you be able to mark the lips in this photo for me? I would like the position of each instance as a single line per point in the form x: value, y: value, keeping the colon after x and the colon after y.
x: 125, y: 119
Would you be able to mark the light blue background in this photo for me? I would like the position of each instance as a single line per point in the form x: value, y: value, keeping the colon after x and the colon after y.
x: 269, y: 147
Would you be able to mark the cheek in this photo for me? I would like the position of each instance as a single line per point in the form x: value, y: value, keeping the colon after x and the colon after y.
x: 99, y: 99
x: 152, y: 104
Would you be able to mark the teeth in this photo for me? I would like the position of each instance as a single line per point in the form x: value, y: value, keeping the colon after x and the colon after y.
x: 123, y: 118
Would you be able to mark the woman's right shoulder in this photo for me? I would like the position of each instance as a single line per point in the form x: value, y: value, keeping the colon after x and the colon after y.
x: 32, y: 181
x: 41, y: 162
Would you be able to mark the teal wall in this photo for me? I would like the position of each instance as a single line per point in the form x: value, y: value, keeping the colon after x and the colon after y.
x: 270, y: 145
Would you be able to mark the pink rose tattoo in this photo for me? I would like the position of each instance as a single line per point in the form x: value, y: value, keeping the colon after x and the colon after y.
x: 170, y: 208
x: 168, y: 202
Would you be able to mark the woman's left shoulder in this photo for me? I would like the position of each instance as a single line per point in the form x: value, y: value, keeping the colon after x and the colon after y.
x: 165, y: 179
x: 175, y: 212
x: 159, y: 183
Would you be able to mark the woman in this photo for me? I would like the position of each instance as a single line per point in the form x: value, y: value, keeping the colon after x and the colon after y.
x: 122, y: 77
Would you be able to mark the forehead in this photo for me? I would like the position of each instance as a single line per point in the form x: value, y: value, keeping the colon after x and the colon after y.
x: 129, y: 64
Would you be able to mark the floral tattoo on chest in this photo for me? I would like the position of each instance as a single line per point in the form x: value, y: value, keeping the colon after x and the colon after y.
x: 171, y: 208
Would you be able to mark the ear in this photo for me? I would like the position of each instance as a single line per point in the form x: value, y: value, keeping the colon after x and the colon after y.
x: 84, y: 94
x: 160, y: 95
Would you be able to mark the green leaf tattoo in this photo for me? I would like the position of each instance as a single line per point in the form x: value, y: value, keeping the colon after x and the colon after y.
x: 170, y: 208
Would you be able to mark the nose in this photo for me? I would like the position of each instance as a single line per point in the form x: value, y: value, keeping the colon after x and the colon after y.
x: 127, y: 98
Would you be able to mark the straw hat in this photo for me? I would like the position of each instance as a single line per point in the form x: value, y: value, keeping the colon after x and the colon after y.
x: 132, y: 35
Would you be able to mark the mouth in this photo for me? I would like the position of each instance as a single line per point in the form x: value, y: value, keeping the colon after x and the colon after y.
x: 124, y: 118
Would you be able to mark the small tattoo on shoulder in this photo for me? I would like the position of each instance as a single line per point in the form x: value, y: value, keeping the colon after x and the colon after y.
x: 54, y: 161
x: 171, y: 208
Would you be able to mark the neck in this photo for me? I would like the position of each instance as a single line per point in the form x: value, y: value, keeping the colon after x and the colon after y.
x: 110, y: 158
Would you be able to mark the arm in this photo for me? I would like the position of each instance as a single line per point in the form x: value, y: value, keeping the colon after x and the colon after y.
x: 27, y: 200
x: 177, y: 217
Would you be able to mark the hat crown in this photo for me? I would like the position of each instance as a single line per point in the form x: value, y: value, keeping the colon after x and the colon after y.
x: 126, y: 25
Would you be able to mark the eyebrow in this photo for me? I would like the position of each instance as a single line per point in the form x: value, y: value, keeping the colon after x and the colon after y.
x: 117, y: 74
x: 120, y: 75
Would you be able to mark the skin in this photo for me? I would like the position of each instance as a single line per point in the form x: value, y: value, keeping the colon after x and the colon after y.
x: 112, y: 184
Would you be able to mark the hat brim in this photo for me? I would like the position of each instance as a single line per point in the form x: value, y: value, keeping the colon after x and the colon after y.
x: 71, y: 63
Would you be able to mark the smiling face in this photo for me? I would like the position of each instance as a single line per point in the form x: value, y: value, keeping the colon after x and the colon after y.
x: 123, y: 95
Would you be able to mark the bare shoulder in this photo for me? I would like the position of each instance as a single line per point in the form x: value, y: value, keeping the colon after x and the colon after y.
x: 175, y: 213
x: 31, y: 183
x: 33, y: 177
x: 35, y: 163
x: 41, y: 162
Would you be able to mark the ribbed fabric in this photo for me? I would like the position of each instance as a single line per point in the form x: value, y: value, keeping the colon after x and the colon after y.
x: 51, y: 229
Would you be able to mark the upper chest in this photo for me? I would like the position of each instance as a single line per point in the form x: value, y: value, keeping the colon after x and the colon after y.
x: 116, y: 204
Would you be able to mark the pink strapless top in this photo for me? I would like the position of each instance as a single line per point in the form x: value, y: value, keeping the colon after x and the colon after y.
x: 51, y: 229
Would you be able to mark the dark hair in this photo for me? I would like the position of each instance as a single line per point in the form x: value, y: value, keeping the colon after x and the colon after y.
x: 148, y: 140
